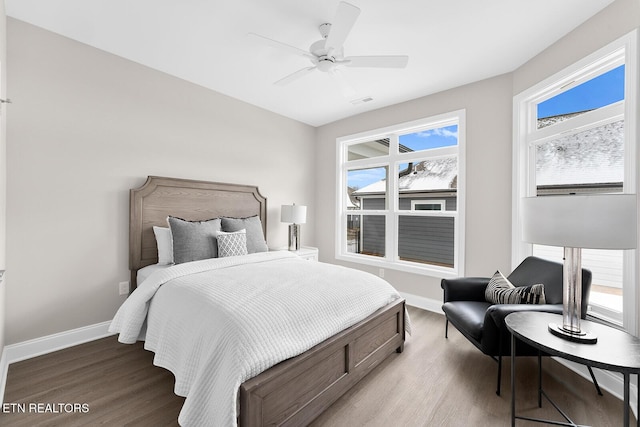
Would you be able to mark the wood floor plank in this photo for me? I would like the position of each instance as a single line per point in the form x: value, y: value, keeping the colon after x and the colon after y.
x: 434, y: 382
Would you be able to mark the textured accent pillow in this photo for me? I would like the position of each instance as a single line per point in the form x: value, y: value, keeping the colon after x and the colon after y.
x: 253, y: 226
x: 164, y: 243
x: 193, y: 240
x: 232, y: 244
x: 501, y: 291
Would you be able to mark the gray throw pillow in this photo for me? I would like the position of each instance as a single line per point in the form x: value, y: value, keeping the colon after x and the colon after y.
x: 253, y: 225
x: 501, y: 291
x: 194, y: 240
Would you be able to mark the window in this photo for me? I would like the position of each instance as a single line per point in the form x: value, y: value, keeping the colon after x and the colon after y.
x: 424, y: 205
x: 401, y: 193
x: 572, y: 135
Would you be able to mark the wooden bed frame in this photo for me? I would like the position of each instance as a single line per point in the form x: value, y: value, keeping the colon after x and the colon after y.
x: 295, y: 391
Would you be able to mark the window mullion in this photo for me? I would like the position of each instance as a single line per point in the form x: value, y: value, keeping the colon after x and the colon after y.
x: 392, y: 200
x: 592, y: 119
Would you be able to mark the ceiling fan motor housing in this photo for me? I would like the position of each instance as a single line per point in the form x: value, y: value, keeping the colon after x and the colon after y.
x: 325, y: 61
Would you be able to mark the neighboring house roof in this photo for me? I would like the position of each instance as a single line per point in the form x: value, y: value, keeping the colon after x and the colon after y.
x: 428, y: 175
x: 595, y: 156
x: 552, y: 120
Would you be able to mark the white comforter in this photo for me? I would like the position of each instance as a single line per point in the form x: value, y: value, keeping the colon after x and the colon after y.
x: 216, y: 323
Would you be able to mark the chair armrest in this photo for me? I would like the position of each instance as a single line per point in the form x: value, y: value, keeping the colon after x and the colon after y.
x: 464, y: 288
x: 498, y: 312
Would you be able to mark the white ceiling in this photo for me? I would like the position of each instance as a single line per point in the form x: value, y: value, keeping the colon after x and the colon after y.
x: 449, y: 43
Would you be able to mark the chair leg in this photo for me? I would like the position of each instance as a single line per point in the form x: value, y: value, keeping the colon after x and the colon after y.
x: 446, y: 328
x: 499, y: 374
x: 595, y: 381
x: 539, y: 379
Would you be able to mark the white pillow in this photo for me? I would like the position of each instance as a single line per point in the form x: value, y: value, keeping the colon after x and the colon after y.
x: 232, y: 244
x: 165, y: 244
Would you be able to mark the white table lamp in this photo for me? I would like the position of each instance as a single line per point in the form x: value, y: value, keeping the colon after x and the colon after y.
x: 294, y: 215
x: 595, y: 221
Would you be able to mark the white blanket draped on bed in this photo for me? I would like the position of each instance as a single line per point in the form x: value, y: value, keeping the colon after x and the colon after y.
x: 219, y: 322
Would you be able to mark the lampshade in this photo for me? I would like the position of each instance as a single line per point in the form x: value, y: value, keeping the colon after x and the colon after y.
x: 293, y: 214
x: 595, y: 221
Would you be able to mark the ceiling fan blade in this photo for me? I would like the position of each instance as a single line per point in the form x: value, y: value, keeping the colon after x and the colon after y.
x: 279, y: 45
x: 294, y: 76
x: 345, y: 86
x: 341, y: 26
x: 391, y: 61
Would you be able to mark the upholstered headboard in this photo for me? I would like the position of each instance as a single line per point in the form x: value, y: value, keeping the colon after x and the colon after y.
x: 192, y: 200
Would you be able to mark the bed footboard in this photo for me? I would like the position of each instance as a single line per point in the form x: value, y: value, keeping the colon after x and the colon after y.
x: 296, y: 391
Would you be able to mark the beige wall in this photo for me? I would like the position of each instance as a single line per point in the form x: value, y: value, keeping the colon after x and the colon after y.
x: 85, y: 126
x: 488, y: 155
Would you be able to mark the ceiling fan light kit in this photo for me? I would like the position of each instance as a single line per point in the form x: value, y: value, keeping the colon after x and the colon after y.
x: 327, y: 55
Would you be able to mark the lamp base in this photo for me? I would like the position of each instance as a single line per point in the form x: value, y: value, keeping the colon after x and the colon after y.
x: 582, y: 337
x: 294, y: 237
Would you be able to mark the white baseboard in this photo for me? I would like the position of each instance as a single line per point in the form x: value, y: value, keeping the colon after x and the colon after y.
x: 39, y: 346
x: 4, y: 366
x: 423, y: 302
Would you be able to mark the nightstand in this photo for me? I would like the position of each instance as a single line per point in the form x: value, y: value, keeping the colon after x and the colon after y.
x: 307, y: 252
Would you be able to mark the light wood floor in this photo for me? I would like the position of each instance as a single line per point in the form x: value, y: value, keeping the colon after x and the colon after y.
x: 434, y: 382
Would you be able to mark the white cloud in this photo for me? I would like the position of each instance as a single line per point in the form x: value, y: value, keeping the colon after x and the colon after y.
x: 443, y: 132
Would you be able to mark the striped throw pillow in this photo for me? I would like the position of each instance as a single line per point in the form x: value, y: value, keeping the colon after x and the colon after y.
x: 501, y: 291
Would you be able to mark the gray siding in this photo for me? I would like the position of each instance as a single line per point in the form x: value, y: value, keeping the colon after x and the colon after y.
x: 421, y: 239
x: 426, y: 239
x: 373, y: 203
x: 373, y: 238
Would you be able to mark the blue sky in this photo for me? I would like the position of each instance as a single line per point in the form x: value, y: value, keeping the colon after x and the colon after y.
x: 595, y: 93
x: 363, y: 177
x: 432, y: 138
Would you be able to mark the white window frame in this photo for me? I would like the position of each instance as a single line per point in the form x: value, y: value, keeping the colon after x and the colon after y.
x: 623, y: 50
x: 392, y: 212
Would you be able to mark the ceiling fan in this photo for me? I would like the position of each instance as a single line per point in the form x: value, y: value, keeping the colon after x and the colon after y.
x: 327, y: 55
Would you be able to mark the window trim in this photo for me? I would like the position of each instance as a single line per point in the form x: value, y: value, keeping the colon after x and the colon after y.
x: 523, y: 176
x: 392, y: 211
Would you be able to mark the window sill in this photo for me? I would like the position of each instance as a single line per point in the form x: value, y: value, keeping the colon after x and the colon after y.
x: 603, y: 315
x: 404, y: 266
